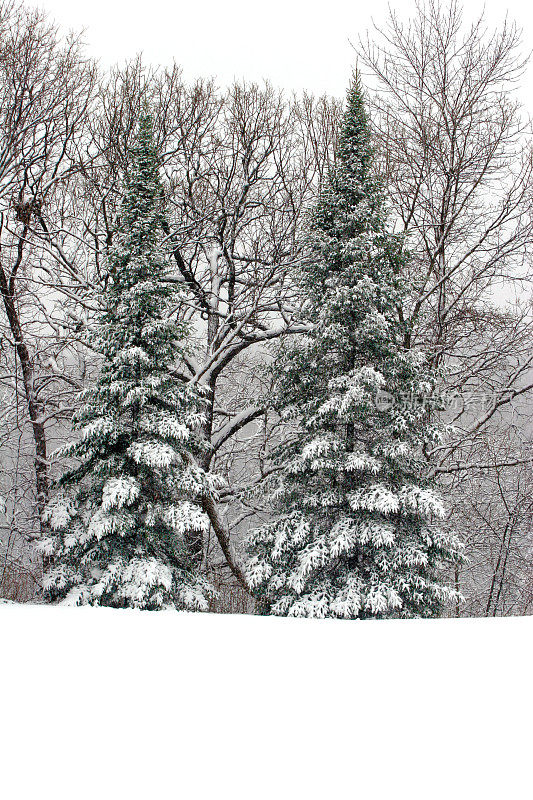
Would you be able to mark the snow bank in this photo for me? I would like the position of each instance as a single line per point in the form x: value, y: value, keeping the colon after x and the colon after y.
x: 120, y: 704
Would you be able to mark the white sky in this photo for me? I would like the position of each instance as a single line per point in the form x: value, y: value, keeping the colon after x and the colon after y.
x: 296, y: 44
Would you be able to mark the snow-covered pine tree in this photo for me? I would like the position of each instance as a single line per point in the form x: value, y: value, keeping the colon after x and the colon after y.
x: 125, y: 518
x: 354, y: 532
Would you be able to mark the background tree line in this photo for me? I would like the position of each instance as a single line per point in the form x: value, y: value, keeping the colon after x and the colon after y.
x: 242, y: 167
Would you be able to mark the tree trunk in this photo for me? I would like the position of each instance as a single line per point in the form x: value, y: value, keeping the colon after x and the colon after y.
x: 222, y: 535
x: 7, y: 288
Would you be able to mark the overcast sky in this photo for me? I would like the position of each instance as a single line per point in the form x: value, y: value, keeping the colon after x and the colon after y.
x: 296, y: 44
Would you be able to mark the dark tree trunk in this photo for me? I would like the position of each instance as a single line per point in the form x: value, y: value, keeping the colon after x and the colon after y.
x: 35, y: 409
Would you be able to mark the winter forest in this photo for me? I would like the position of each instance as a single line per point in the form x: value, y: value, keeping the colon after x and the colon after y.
x: 268, y: 353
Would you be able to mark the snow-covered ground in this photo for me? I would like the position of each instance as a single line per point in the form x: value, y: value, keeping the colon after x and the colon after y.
x: 118, y: 705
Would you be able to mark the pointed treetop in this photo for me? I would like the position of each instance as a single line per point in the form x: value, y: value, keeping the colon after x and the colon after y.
x: 350, y: 207
x: 354, y: 149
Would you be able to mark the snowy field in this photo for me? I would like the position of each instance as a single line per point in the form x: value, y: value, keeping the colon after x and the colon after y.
x: 105, y: 704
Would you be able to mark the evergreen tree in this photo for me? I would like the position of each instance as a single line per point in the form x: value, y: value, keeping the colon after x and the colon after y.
x: 355, y: 530
x: 124, y: 522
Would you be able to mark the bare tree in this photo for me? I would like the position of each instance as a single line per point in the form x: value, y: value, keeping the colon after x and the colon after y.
x: 456, y: 152
x: 494, y: 508
x: 45, y: 86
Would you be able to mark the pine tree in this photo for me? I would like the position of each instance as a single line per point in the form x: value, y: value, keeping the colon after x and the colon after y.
x: 126, y: 516
x: 355, y: 519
